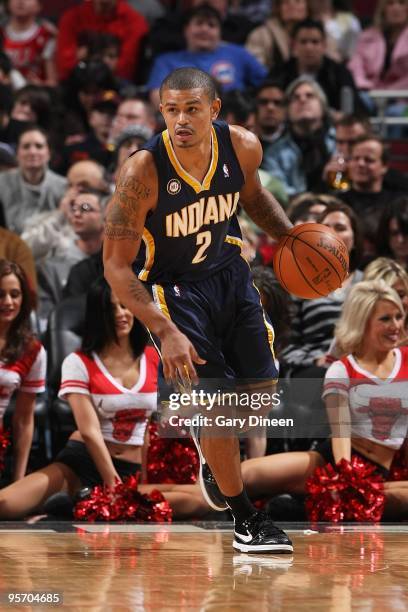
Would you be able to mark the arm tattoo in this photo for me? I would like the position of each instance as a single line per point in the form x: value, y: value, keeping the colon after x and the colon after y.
x: 138, y: 292
x: 268, y: 214
x: 120, y: 217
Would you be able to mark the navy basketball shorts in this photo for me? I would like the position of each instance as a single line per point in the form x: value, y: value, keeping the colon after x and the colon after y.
x: 223, y: 318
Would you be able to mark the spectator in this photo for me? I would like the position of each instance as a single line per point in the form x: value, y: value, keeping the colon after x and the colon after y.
x: 392, y: 238
x: 380, y: 60
x: 231, y: 65
x: 114, y: 364
x: 130, y: 140
x: 348, y: 129
x: 32, y: 187
x: 22, y: 361
x: 238, y: 109
x: 111, y: 16
x: 46, y: 232
x: 367, y: 196
x: 30, y: 42
x: 29, y: 105
x: 308, y: 207
x: 297, y: 159
x: 270, y: 112
x: 314, y: 320
x: 132, y: 111
x: 309, y: 58
x: 341, y: 27
x: 88, y: 83
x: 95, y: 143
x: 396, y: 277
x: 14, y: 249
x: 86, y: 219
x: 270, y: 43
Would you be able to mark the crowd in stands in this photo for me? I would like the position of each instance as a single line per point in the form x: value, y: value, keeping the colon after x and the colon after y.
x: 79, y: 93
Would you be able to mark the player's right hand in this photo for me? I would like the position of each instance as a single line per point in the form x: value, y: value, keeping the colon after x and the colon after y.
x: 178, y: 357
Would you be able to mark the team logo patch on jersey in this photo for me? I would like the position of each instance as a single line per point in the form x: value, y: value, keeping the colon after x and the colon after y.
x: 176, y: 290
x: 225, y: 169
x: 173, y: 186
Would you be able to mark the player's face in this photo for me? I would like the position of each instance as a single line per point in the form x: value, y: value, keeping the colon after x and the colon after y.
x: 33, y: 152
x: 11, y: 298
x: 340, y: 223
x: 188, y: 115
x: 123, y: 318
x: 384, y: 327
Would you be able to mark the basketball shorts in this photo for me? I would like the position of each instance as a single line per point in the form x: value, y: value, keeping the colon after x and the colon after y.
x: 223, y: 318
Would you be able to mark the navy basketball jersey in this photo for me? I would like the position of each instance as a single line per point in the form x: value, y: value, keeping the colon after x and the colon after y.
x: 193, y: 232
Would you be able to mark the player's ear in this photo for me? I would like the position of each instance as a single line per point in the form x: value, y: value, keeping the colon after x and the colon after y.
x: 215, y: 108
x: 161, y: 108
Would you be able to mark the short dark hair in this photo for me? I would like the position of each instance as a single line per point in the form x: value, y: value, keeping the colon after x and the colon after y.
x: 99, y: 327
x: 39, y: 100
x: 19, y: 336
x: 202, y: 11
x: 237, y: 103
x: 33, y: 128
x: 270, y: 83
x: 352, y: 119
x: 385, y: 155
x: 356, y: 253
x: 190, y: 78
x: 309, y: 24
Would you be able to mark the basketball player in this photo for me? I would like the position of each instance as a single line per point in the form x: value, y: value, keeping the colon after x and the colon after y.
x: 172, y: 256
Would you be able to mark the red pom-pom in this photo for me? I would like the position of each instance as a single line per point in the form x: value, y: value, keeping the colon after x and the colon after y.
x: 399, y: 467
x: 5, y: 440
x: 123, y: 502
x: 349, y: 491
x: 171, y: 460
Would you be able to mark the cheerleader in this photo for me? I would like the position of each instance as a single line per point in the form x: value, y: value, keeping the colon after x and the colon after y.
x: 110, y: 385
x: 22, y: 361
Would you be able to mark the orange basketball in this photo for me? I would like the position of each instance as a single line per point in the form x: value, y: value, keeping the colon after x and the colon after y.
x: 311, y: 261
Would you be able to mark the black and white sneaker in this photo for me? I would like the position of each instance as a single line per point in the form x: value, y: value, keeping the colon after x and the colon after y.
x: 209, y: 487
x: 259, y: 534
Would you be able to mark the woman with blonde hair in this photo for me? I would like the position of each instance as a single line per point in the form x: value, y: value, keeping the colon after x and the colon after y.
x: 380, y: 60
x: 371, y: 375
x: 395, y: 276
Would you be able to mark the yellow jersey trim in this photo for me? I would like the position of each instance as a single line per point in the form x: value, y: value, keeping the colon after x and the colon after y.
x: 190, y: 180
x: 269, y: 328
x: 160, y: 300
x: 150, y: 252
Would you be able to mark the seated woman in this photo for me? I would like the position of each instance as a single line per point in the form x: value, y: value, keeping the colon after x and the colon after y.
x: 22, y: 361
x: 372, y: 370
x: 110, y: 385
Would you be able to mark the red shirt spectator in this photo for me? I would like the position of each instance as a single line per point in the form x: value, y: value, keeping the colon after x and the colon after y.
x: 113, y: 16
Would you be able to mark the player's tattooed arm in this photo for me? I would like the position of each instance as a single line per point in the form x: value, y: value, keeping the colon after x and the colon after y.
x: 124, y: 209
x: 258, y: 203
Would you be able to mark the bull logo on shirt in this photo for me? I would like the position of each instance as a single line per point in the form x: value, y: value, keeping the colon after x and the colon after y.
x: 125, y: 421
x: 384, y: 413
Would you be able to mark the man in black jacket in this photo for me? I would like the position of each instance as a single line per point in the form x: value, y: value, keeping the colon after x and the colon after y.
x: 308, y: 58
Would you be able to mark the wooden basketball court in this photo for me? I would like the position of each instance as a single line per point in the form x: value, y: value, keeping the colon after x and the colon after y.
x: 188, y: 567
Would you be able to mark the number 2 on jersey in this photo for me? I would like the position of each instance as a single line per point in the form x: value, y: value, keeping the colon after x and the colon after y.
x: 203, y: 239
